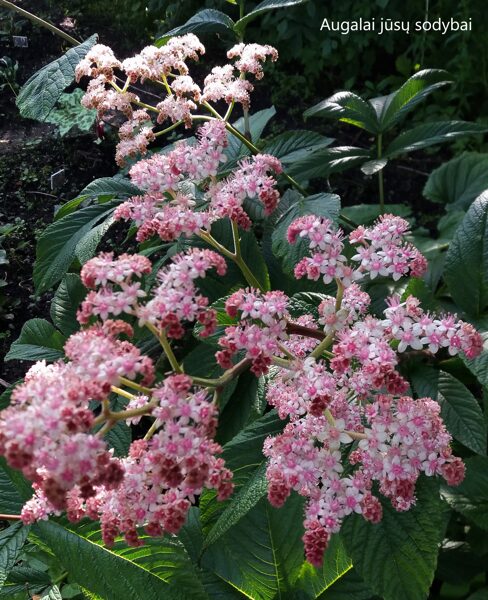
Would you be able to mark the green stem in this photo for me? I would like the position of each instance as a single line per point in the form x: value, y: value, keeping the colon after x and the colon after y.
x: 168, y: 129
x: 39, y: 21
x: 324, y: 344
x: 135, y: 386
x: 163, y: 340
x: 380, y: 174
x: 121, y: 392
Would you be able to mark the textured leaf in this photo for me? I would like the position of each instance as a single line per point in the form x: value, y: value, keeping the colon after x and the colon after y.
x: 461, y: 413
x: 11, y: 541
x: 242, y: 502
x: 103, y: 190
x: 11, y: 501
x: 66, y: 302
x: 262, y: 8
x: 242, y: 455
x: 430, y: 134
x: 348, y: 108
x: 398, y: 104
x: 204, y: 21
x: 466, y: 268
x: 459, y: 181
x: 159, y: 569
x: 367, y: 213
x: 292, y: 146
x: 261, y: 564
x: 349, y: 587
x: 38, y: 340
x: 295, y: 205
x: 40, y: 93
x: 56, y: 248
x: 323, y: 163
x: 52, y: 593
x: 397, y: 557
x: 471, y: 497
x: 70, y: 114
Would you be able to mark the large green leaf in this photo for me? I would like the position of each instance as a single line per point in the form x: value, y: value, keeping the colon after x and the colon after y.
x: 262, y: 8
x: 461, y: 413
x: 40, y: 93
x: 204, y: 21
x: 242, y: 455
x: 326, y: 161
x: 58, y: 244
x: 292, y: 146
x: 459, y: 181
x: 66, y: 302
x: 349, y: 587
x: 430, y: 134
x: 397, y: 557
x: 38, y: 340
x: 295, y: 205
x: 159, y: 569
x: 69, y: 114
x: 11, y: 541
x: 398, y: 104
x: 103, y: 190
x: 459, y: 408
x: 348, y: 108
x: 11, y: 501
x: 471, y: 497
x: 466, y: 268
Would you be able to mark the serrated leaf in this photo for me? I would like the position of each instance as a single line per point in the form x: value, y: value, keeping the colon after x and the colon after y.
x: 430, y: 134
x: 262, y: 8
x: 324, y: 205
x: 470, y: 498
x: 291, y: 146
x: 348, y: 108
x: 11, y: 541
x: 40, y: 93
x: 397, y: 557
x: 466, y: 268
x: 461, y: 413
x: 38, y: 340
x: 459, y: 181
x: 248, y: 496
x: 66, y: 302
x: 367, y: 213
x: 323, y: 163
x: 103, y: 190
x: 159, y: 569
x: 398, y: 104
x: 10, y: 499
x: 204, y: 21
x: 56, y: 247
x: 349, y: 587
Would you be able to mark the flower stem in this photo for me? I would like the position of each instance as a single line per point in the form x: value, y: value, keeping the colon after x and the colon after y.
x: 41, y: 22
x: 163, y: 340
x: 320, y: 349
x: 121, y: 392
x: 380, y: 175
x: 135, y: 386
x: 168, y: 129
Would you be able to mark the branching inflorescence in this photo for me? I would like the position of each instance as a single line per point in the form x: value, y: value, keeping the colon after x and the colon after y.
x: 334, y: 378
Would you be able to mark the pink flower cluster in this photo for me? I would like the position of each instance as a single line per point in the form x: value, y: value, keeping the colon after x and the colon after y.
x: 382, y: 250
x: 262, y: 326
x: 176, y: 299
x: 167, y: 66
x: 404, y: 438
x: 169, y: 212
x: 165, y: 473
x: 412, y: 327
x: 155, y: 485
x: 45, y: 431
